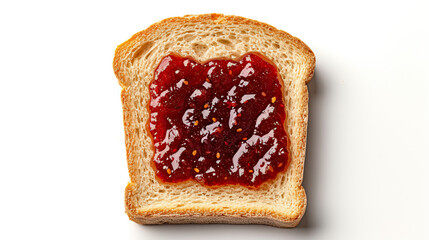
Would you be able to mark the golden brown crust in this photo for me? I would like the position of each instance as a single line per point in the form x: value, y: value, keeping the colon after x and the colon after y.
x: 157, y: 215
x: 124, y: 47
x: 238, y: 215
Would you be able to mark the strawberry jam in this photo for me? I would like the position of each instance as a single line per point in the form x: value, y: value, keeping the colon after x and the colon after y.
x: 219, y: 123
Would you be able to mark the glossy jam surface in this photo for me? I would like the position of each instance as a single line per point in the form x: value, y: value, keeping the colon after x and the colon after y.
x: 218, y: 123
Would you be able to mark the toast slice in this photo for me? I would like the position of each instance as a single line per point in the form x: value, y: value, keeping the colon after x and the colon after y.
x: 280, y: 202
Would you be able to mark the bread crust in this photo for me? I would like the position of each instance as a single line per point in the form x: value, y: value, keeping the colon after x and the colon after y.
x: 125, y: 46
x: 238, y: 214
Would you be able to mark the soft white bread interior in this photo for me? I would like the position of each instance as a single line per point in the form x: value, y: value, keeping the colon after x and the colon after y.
x: 280, y: 202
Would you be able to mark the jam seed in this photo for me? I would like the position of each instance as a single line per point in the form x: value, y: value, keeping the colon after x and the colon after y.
x: 238, y: 114
x: 207, y: 79
x: 168, y: 171
x: 280, y: 164
x: 214, y: 119
x: 239, y: 130
x: 273, y: 100
x: 196, y: 123
x: 185, y: 82
x: 271, y: 169
x: 206, y: 105
x: 264, y: 94
x: 225, y: 178
x: 230, y: 72
x: 217, y: 155
x: 194, y: 153
x: 250, y: 170
x: 245, y: 139
x: 196, y: 170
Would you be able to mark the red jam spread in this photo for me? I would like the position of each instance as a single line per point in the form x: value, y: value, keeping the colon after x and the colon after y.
x: 219, y: 123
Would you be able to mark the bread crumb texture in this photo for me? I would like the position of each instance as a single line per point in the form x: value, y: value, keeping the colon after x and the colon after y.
x: 280, y: 202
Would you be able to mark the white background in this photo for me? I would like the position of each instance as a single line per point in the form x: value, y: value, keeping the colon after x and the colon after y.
x: 63, y: 169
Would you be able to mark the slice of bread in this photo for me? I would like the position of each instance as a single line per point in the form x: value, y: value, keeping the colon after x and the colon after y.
x: 280, y: 202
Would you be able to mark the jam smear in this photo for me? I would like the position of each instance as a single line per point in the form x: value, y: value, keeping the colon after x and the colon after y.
x: 219, y: 123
